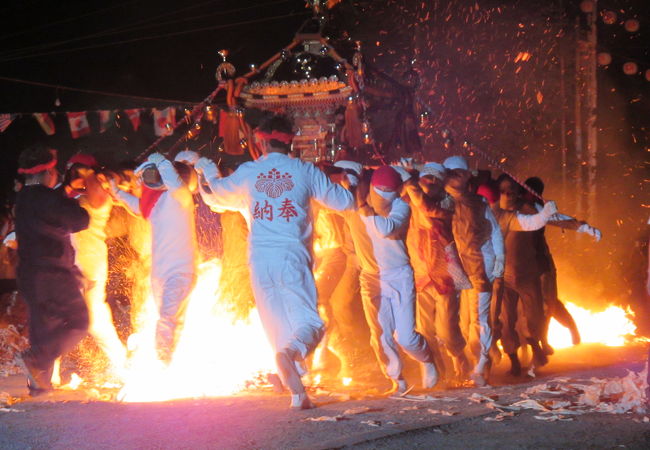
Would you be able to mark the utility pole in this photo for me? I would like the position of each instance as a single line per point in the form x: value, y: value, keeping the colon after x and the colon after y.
x: 592, y: 114
x: 586, y: 136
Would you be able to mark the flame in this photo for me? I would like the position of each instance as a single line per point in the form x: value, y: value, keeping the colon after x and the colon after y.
x: 216, y: 354
x: 611, y: 327
x: 347, y: 381
x: 75, y: 382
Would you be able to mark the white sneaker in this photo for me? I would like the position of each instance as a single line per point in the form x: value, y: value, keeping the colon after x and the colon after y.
x: 429, y: 375
x: 301, y: 401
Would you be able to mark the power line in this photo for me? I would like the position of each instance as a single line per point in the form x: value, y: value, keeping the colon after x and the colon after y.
x: 146, y: 38
x: 93, y: 91
x: 16, y: 52
x: 66, y: 20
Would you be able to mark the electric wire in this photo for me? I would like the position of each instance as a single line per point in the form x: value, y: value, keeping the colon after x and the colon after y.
x: 146, y: 38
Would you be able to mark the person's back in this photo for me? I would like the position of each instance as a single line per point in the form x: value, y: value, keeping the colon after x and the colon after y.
x: 378, y: 251
x: 274, y: 195
x: 45, y: 218
x: 47, y: 276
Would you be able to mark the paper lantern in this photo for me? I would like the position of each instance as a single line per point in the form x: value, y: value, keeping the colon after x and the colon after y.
x: 609, y: 17
x: 630, y: 68
x: 587, y: 6
x: 604, y: 59
x: 632, y: 25
x: 647, y: 74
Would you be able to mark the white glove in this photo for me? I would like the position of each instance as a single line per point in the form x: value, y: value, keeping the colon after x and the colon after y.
x: 352, y: 179
x: 550, y: 208
x: 403, y: 173
x: 591, y: 231
x: 187, y: 156
x: 208, y: 167
x: 499, y: 267
x: 11, y: 241
x: 156, y: 158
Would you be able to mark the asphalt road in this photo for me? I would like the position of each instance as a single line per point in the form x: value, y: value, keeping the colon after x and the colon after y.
x: 449, y: 419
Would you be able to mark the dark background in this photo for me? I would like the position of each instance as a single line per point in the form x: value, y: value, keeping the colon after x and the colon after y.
x: 464, y: 54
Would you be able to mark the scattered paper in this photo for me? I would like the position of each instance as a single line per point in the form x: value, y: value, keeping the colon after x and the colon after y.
x: 357, y: 410
x: 11, y: 410
x: 325, y: 419
x: 499, y: 417
x: 442, y: 412
x: 479, y: 398
x: 553, y: 418
x: 372, y: 423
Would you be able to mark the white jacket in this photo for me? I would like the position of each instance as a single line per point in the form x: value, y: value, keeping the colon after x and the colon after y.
x: 273, y: 194
x: 173, y: 249
x: 380, y: 242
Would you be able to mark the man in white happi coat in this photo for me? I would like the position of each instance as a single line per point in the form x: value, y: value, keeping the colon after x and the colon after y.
x: 273, y: 193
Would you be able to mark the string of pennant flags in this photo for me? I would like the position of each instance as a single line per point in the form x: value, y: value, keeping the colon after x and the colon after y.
x: 164, y: 120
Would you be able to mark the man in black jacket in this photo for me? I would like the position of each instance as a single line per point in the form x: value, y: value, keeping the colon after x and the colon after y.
x: 47, y: 276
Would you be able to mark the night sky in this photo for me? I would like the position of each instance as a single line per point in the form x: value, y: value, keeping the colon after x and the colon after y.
x: 465, y: 52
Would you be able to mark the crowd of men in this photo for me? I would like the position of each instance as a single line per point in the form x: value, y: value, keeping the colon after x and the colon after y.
x: 446, y: 262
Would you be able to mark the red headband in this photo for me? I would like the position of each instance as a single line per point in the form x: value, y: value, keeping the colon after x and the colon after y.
x: 38, y: 168
x: 285, y: 138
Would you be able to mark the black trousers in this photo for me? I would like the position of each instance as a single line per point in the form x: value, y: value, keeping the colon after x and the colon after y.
x: 528, y: 291
x: 58, y: 316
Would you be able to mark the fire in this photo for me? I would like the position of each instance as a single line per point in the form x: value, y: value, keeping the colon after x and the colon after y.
x: 216, y: 355
x: 611, y: 327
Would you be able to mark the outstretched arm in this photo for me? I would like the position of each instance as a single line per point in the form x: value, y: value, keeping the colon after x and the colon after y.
x: 226, y: 192
x: 571, y: 223
x: 532, y: 222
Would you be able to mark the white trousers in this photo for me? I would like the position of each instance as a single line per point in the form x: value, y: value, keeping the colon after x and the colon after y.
x: 286, y: 299
x: 389, y: 306
x: 480, y: 328
x: 171, y: 296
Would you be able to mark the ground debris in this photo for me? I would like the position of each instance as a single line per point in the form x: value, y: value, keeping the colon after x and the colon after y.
x: 372, y: 423
x: 523, y: 404
x: 500, y: 417
x: 442, y: 412
x: 336, y: 418
x: 11, y: 342
x: 357, y: 410
x: 554, y: 418
x: 480, y: 398
x: 617, y: 395
x: 422, y: 398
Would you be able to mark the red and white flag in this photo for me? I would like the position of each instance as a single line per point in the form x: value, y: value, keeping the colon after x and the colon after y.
x: 164, y: 121
x: 5, y: 121
x: 46, y: 123
x: 78, y: 124
x: 134, y: 117
x: 105, y: 119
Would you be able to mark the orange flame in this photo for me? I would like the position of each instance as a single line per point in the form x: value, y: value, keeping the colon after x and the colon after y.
x: 612, y: 327
x: 215, y: 355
